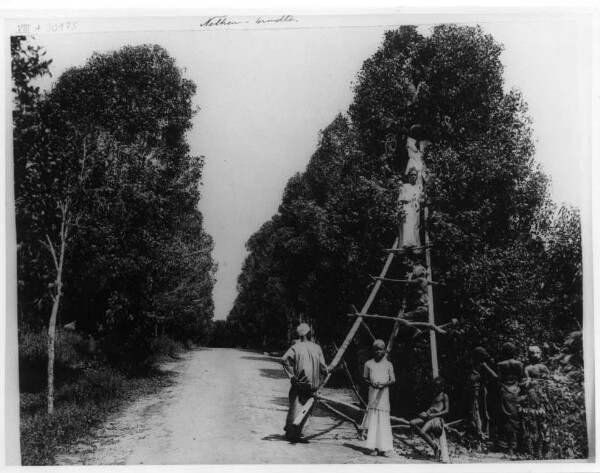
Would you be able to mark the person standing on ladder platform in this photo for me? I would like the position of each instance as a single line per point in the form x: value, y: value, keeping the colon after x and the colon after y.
x: 411, y: 191
x: 409, y: 201
x: 416, y: 146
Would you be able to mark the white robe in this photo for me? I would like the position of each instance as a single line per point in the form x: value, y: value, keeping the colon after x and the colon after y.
x: 410, y: 226
x: 416, y: 159
x: 379, y: 434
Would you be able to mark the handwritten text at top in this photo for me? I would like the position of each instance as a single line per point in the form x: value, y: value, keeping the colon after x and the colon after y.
x: 226, y: 21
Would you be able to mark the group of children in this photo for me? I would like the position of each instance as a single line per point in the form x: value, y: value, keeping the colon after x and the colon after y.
x: 517, y: 412
x: 510, y: 397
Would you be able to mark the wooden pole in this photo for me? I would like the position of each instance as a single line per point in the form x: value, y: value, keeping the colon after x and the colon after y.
x: 303, y: 414
x: 341, y: 403
x: 405, y: 250
x: 433, y: 341
x: 366, y: 327
x: 359, y: 319
x: 398, y: 280
x: 343, y: 416
x: 354, y: 388
x: 351, y: 406
x: 398, y: 320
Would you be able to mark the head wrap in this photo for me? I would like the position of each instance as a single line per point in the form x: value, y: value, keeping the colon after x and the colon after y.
x: 416, y: 131
x: 481, y: 352
x: 379, y: 344
x: 419, y: 271
x: 508, y: 350
x: 303, y: 329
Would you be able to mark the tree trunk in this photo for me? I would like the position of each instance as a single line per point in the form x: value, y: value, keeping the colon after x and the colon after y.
x: 289, y: 315
x: 58, y: 263
x: 51, y: 344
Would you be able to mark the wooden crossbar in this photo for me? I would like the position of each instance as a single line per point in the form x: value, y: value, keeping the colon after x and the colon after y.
x: 397, y: 280
x: 343, y: 416
x: 391, y: 319
x: 407, y: 249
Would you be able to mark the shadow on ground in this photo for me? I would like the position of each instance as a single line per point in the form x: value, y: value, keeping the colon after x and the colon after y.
x: 358, y: 448
x: 279, y: 437
x: 280, y: 401
x: 412, y: 451
x: 323, y: 432
x: 261, y: 358
x: 273, y: 373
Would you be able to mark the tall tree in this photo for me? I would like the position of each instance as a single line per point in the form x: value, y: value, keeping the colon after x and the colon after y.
x: 140, y: 262
x: 27, y: 64
x: 490, y: 214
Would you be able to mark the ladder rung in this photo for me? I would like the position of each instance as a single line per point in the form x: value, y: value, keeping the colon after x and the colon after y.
x: 395, y: 280
x: 373, y: 316
x: 407, y: 249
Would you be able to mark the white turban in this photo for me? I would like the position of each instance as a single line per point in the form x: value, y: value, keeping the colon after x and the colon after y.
x: 302, y: 330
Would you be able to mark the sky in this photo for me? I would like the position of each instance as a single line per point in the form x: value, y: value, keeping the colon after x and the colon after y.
x: 264, y: 95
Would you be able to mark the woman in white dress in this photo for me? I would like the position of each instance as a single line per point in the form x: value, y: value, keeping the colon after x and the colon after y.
x: 379, y: 374
x: 408, y: 199
x: 416, y: 159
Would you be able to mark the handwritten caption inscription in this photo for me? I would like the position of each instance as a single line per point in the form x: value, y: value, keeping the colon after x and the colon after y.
x: 59, y: 27
x: 213, y: 21
x: 226, y: 21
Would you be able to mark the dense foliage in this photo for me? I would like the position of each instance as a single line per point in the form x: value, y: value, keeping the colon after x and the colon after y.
x: 109, y: 140
x: 508, y: 264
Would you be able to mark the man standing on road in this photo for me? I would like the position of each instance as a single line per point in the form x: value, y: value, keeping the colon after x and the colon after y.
x: 303, y: 363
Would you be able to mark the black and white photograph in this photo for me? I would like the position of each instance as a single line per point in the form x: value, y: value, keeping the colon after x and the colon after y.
x: 283, y: 238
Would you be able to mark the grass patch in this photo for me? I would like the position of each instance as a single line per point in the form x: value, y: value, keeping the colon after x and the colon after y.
x: 164, y: 346
x: 87, y: 391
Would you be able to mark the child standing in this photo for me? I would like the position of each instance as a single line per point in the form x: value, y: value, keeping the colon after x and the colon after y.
x: 379, y: 374
x: 512, y: 378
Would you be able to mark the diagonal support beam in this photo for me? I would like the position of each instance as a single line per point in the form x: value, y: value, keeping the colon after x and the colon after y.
x: 304, y: 413
x: 359, y: 319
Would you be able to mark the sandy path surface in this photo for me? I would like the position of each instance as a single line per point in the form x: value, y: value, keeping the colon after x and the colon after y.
x: 226, y: 406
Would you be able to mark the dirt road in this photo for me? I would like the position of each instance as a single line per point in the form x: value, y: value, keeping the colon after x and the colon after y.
x: 226, y: 407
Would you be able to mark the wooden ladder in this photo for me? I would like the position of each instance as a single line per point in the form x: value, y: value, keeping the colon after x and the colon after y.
x: 392, y: 252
